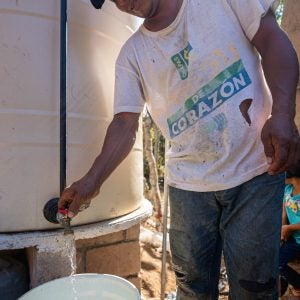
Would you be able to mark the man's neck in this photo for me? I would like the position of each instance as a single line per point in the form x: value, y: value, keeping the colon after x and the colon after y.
x: 166, y: 14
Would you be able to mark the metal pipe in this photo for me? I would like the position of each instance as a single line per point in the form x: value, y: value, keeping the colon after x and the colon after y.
x: 63, y: 93
x: 165, y: 231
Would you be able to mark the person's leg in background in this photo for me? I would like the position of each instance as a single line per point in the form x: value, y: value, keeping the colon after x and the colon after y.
x: 251, y: 226
x: 195, y: 244
x: 289, y: 251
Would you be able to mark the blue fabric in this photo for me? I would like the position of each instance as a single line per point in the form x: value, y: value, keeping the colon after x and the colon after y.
x: 244, y: 222
x: 292, y: 207
x: 289, y: 251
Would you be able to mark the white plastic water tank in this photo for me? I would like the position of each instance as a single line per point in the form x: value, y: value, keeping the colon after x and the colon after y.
x: 29, y: 109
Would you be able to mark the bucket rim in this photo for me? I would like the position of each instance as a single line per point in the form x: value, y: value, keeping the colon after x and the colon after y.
x: 81, y: 275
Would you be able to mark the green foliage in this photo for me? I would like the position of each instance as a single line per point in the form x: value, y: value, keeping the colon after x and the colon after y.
x: 158, y: 145
x: 279, y: 11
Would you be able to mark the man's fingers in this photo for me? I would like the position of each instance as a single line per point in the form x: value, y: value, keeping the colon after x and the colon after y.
x: 63, y: 201
x: 280, y: 158
x: 76, y: 197
x: 72, y: 211
x: 286, y: 155
x: 71, y: 215
x: 77, y: 206
x: 268, y: 147
x: 281, y: 143
x: 74, y: 208
x: 84, y: 206
x: 66, y: 198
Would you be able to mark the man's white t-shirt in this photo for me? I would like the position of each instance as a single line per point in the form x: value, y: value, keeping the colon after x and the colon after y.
x: 203, y: 84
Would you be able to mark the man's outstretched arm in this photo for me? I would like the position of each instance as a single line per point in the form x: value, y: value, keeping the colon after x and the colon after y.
x: 119, y: 140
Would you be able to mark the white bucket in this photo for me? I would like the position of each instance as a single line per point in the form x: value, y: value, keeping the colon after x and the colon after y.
x: 85, y: 287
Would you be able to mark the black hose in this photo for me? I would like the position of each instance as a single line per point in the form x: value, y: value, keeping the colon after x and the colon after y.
x: 97, y: 3
x: 63, y: 93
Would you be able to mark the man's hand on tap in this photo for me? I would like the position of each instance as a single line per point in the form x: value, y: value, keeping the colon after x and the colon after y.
x: 119, y: 140
x: 78, y: 195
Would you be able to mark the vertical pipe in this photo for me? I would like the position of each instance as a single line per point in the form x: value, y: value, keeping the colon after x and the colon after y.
x: 63, y: 93
x: 165, y: 229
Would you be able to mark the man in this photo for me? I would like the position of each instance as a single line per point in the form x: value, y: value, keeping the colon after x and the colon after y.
x: 219, y: 79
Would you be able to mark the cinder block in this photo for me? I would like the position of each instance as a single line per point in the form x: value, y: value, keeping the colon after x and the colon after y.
x: 135, y: 281
x: 101, y: 240
x: 295, y: 264
x: 120, y: 259
x: 80, y: 262
x: 132, y: 233
x: 45, y: 266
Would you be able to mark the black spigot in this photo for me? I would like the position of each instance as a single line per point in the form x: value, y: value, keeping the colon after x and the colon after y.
x: 57, y: 216
x: 50, y: 211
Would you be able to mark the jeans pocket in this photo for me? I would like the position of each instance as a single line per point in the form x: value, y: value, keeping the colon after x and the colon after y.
x: 265, y: 181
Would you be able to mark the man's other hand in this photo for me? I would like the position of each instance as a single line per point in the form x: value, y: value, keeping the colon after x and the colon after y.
x: 281, y: 142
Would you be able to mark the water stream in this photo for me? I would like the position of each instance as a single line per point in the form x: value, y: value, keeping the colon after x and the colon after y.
x: 70, y: 249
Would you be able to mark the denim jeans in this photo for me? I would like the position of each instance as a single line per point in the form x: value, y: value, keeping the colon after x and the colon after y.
x: 244, y: 222
x: 289, y: 251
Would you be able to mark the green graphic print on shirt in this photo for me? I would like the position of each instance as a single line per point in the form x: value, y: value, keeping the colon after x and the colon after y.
x: 181, y: 61
x: 209, y: 97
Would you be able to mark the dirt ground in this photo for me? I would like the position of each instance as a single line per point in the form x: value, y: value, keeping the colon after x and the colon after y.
x: 151, y: 272
x: 151, y: 265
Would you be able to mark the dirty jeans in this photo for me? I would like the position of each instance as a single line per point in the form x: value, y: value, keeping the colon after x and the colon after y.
x: 244, y: 222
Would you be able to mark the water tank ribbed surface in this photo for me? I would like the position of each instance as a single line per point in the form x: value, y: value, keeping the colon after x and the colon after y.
x: 29, y: 109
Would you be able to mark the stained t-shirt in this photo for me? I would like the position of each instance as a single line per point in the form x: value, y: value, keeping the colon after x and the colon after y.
x: 202, y: 82
x: 292, y: 208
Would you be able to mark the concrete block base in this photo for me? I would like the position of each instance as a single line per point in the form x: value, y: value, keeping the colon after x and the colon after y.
x: 110, y: 247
